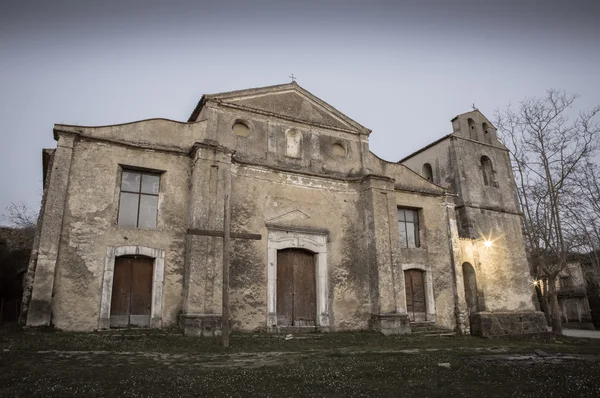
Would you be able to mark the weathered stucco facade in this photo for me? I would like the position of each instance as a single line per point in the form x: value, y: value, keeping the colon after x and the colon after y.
x: 299, y: 179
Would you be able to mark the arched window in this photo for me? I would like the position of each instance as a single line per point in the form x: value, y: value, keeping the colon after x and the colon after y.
x: 472, y: 129
x: 428, y: 172
x: 488, y: 171
x: 487, y: 133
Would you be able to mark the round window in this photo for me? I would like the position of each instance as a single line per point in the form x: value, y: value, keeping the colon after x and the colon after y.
x: 338, y: 150
x: 240, y: 129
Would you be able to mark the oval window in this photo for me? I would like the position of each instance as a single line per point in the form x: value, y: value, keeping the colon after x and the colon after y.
x: 338, y: 150
x: 240, y: 129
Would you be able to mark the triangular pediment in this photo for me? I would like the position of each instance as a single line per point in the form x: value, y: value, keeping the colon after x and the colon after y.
x: 288, y: 101
x: 293, y: 215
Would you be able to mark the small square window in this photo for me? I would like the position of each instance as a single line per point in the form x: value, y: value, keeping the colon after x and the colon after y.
x: 138, y: 202
x: 408, y: 226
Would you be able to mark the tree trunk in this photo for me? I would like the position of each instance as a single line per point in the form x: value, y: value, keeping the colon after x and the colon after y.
x: 556, y: 320
x: 547, y: 312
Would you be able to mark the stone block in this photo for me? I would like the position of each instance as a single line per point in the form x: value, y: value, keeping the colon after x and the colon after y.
x: 389, y: 324
x: 40, y: 313
x: 201, y: 325
x: 488, y: 324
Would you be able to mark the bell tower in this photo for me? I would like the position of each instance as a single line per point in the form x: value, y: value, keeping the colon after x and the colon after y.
x: 481, y: 174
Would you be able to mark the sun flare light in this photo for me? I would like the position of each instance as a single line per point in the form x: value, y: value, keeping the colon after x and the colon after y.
x: 487, y: 243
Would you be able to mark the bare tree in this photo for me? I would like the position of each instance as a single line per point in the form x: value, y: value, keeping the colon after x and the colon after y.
x: 547, y: 149
x: 20, y: 215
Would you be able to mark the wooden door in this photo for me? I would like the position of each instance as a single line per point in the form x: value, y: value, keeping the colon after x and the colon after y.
x: 414, y: 282
x: 285, y: 287
x: 132, y: 292
x: 296, y: 288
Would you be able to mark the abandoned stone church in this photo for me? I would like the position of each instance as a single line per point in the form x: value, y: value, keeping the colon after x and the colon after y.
x: 325, y: 235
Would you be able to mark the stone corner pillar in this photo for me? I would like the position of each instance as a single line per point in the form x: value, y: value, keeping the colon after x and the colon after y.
x: 39, y: 312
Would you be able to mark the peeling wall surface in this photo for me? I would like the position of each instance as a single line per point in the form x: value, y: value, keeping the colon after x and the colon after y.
x: 299, y: 176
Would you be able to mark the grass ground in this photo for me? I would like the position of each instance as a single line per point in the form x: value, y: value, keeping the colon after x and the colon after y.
x: 344, y: 364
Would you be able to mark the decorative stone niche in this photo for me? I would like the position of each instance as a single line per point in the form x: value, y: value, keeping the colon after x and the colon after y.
x: 293, y: 143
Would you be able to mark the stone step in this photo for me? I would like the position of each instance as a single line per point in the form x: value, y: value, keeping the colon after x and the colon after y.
x: 445, y: 334
x: 430, y: 329
x: 423, y: 325
x: 297, y: 329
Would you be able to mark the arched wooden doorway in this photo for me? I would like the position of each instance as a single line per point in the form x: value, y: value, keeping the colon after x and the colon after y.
x: 470, y: 282
x: 131, y: 299
x: 296, y: 288
x: 414, y: 282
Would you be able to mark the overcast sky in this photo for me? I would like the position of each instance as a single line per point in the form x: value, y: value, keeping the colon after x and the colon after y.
x: 402, y: 69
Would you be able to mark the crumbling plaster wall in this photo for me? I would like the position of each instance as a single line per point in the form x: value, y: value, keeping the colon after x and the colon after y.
x: 502, y: 269
x: 90, y: 226
x: 261, y: 198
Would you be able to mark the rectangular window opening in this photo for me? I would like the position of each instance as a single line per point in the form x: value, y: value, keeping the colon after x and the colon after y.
x: 408, y: 227
x: 138, y: 200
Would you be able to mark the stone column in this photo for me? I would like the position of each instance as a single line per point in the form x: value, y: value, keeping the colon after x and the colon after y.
x: 210, y: 181
x: 40, y: 305
x: 387, y: 295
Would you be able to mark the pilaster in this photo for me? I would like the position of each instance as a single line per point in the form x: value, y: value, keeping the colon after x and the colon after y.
x: 387, y: 295
x: 40, y: 305
x: 210, y: 182
x: 460, y: 308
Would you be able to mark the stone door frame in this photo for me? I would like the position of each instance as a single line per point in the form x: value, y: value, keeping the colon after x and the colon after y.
x: 315, y: 241
x: 158, y: 274
x: 429, y: 297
